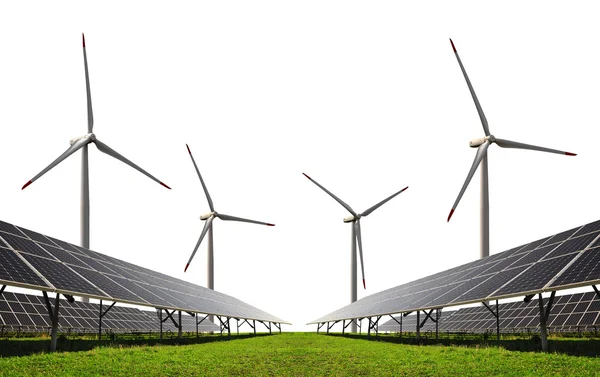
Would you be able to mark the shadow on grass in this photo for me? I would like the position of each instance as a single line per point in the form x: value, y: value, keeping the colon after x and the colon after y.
x: 26, y: 347
x: 572, y: 347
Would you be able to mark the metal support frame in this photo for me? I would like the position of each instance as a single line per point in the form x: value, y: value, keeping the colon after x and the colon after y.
x: 199, y: 322
x: 344, y: 325
x: 400, y: 323
x: 427, y: 316
x: 330, y: 326
x: 2, y: 289
x: 373, y: 325
x: 225, y: 325
x: 252, y: 325
x: 277, y: 326
x: 497, y: 315
x: 100, y: 318
x: 319, y: 325
x: 170, y: 315
x: 544, y: 315
x: 267, y: 326
x: 53, y: 313
x: 593, y: 286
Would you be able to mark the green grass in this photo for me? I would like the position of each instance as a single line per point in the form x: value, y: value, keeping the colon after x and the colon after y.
x: 299, y: 354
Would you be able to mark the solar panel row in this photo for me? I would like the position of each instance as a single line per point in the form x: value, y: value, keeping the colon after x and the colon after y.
x: 31, y: 260
x: 565, y: 260
x: 569, y: 312
x: 29, y: 312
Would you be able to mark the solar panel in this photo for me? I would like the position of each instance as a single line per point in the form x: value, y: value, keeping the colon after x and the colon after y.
x: 32, y: 260
x: 567, y: 259
x: 28, y: 313
x: 569, y: 312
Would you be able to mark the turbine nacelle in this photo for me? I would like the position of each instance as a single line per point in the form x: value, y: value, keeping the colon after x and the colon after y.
x: 207, y: 215
x: 350, y: 219
x: 90, y: 137
x: 475, y: 143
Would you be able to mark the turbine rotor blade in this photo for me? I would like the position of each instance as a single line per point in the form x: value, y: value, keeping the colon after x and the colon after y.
x: 359, y: 240
x: 87, y: 89
x: 72, y: 149
x: 210, y: 203
x: 207, y: 225
x: 333, y: 196
x: 239, y: 219
x: 484, y: 122
x: 111, y: 152
x: 481, y: 152
x: 513, y: 144
x: 367, y: 212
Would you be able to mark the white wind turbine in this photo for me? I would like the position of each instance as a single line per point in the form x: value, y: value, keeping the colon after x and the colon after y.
x: 209, y: 217
x: 481, y: 159
x: 354, y: 218
x: 82, y: 143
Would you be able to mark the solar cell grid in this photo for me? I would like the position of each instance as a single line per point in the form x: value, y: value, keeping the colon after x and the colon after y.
x: 575, y: 244
x: 560, y: 237
x: 64, y: 245
x: 9, y: 228
x: 536, y: 276
x: 99, y: 266
x: 10, y: 319
x: 489, y: 285
x: 24, y: 319
x: 109, y: 286
x: 89, y: 253
x: 13, y: 269
x: 35, y: 236
x: 534, y: 255
x: 533, y: 245
x: 591, y: 227
x: 588, y: 319
x: 64, y: 256
x: 586, y: 268
x: 62, y: 277
x: 24, y: 245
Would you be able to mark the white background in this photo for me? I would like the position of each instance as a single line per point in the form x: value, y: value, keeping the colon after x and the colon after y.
x: 365, y: 97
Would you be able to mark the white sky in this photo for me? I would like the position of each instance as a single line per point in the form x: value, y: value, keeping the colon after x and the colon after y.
x: 365, y: 97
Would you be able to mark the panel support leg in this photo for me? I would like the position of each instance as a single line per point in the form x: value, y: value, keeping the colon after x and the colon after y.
x: 160, y: 320
x: 544, y: 314
x: 418, y: 322
x: 53, y: 313
x: 179, y: 328
x: 495, y: 313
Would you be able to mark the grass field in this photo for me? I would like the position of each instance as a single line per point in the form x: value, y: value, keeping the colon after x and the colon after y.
x: 299, y: 354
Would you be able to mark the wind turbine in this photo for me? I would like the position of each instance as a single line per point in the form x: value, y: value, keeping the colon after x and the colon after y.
x: 82, y: 143
x: 209, y: 217
x: 354, y: 218
x: 482, y: 145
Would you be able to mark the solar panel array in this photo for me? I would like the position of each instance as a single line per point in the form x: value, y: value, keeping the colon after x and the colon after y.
x: 31, y: 260
x: 564, y: 260
x: 29, y: 312
x: 579, y: 311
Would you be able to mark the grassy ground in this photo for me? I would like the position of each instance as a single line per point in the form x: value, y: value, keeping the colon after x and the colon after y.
x: 299, y: 354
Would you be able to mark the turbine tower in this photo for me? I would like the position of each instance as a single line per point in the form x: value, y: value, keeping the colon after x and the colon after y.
x: 82, y: 143
x: 482, y: 145
x: 354, y: 218
x: 209, y: 217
